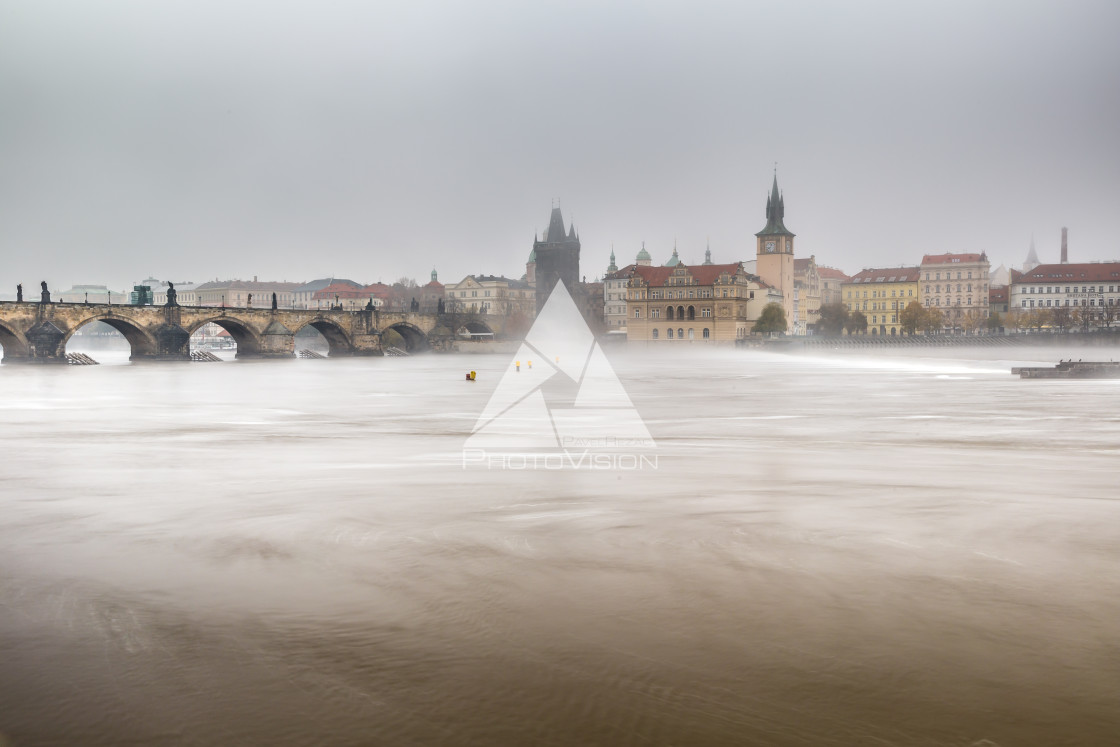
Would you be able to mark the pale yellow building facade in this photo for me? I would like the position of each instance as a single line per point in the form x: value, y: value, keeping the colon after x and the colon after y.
x: 881, y: 294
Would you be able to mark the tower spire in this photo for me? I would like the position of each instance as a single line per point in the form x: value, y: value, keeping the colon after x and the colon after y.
x: 775, y: 211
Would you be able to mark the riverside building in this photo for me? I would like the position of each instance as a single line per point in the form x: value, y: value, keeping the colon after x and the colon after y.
x: 880, y: 295
x: 957, y: 286
x: 705, y: 303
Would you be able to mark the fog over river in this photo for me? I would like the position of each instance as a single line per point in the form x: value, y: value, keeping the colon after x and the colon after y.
x: 835, y: 549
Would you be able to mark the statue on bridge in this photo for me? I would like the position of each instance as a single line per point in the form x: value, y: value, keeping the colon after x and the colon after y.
x: 439, y: 306
x: 19, y: 293
x: 274, y: 302
x: 415, y: 306
x: 369, y: 304
x: 249, y: 301
x: 171, y: 294
x: 45, y: 297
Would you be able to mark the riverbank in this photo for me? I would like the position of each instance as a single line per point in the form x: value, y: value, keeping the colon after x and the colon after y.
x: 856, y: 342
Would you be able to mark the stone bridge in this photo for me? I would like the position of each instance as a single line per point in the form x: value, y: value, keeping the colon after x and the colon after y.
x: 38, y: 332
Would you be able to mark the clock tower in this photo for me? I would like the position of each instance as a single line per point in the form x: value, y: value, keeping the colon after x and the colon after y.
x: 775, y: 252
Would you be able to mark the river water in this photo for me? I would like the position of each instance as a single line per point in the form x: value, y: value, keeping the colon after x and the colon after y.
x: 907, y: 549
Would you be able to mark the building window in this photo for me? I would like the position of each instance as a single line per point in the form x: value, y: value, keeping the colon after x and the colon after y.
x: 680, y: 333
x: 690, y: 335
x: 654, y: 313
x: 706, y: 311
x: 669, y: 333
x: 655, y: 333
x: 637, y: 313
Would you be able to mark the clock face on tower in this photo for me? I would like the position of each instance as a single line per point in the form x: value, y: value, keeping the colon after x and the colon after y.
x: 769, y: 246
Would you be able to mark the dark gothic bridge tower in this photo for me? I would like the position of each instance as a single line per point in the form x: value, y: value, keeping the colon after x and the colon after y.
x: 557, y: 257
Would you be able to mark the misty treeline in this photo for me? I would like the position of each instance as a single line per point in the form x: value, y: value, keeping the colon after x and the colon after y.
x: 835, y: 319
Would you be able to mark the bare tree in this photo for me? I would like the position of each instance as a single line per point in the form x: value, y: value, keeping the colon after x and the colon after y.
x: 971, y: 321
x: 1083, y: 317
x: 1108, y: 314
x: 1039, y: 318
x: 1061, y: 317
x: 934, y: 320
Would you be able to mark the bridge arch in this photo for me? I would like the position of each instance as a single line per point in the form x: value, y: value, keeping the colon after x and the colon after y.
x: 14, y: 344
x: 476, y: 327
x: 333, y: 333
x: 248, y: 340
x: 141, y: 342
x: 414, y: 337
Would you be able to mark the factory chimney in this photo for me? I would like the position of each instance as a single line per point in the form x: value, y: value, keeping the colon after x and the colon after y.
x: 1065, y: 246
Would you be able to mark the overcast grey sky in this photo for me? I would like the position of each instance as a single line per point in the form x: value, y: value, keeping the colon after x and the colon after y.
x: 193, y: 139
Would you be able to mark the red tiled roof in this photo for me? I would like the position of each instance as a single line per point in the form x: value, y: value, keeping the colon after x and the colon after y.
x: 997, y: 294
x: 378, y: 289
x: 887, y: 275
x: 702, y: 274
x: 249, y: 285
x: 831, y: 272
x: 1087, y: 271
x: 341, y: 290
x: 944, y: 259
x: 802, y: 264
